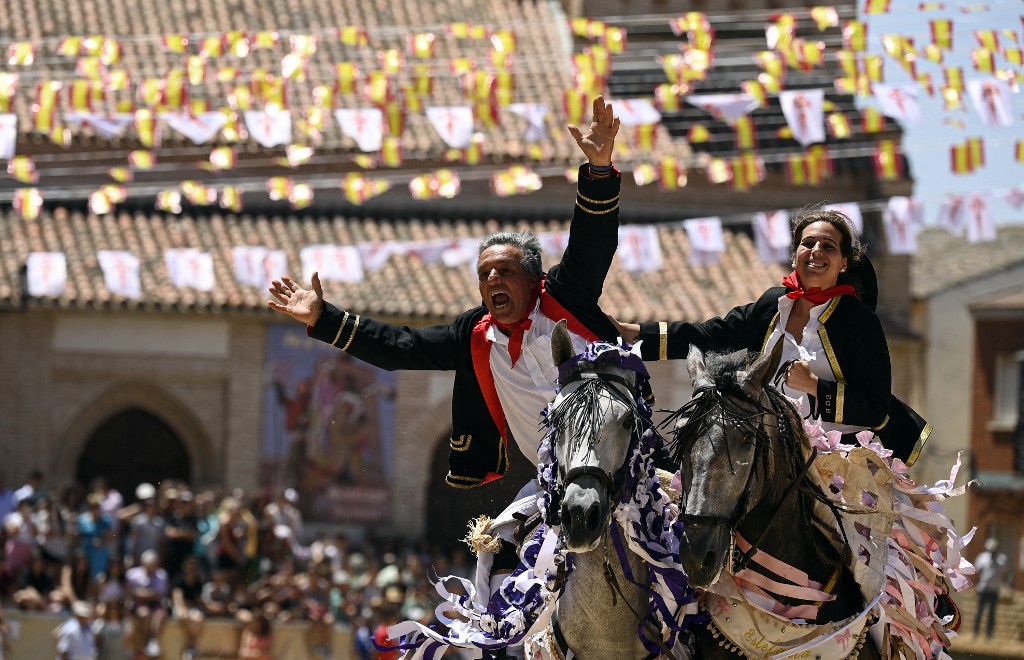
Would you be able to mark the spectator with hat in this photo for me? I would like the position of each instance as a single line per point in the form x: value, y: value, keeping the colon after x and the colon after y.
x: 148, y: 589
x: 75, y: 639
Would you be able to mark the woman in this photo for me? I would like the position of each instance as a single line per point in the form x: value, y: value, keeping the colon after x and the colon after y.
x: 835, y: 356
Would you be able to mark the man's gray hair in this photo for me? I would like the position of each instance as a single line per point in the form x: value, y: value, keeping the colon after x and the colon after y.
x: 527, y: 243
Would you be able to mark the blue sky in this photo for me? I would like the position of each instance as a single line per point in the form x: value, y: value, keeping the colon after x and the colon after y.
x: 927, y: 142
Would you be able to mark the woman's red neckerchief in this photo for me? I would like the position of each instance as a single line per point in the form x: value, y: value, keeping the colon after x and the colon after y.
x: 815, y: 295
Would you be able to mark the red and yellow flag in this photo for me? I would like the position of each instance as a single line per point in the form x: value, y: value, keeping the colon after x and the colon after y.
x: 351, y: 35
x: 264, y: 39
x: 960, y: 159
x: 421, y: 45
x: 21, y: 53
x: 698, y: 134
x: 671, y: 173
x: 747, y: 171
x: 746, y: 136
x: 984, y: 60
x: 45, y: 109
x: 22, y: 168
x: 976, y: 152
x: 615, y: 39
x: 391, y: 152
x: 231, y: 198
x: 888, y: 162
x: 872, y: 120
x: 987, y: 39
x: 942, y: 33
x: 28, y: 202
x: 8, y: 87
x: 1018, y: 153
x: 876, y: 6
x: 825, y: 17
x: 839, y: 125
x: 855, y: 36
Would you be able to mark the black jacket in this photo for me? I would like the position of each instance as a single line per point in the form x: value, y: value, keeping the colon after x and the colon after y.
x: 478, y: 448
x: 854, y: 344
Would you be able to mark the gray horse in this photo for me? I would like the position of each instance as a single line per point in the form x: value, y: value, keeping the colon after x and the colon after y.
x: 595, y: 417
x: 740, y: 447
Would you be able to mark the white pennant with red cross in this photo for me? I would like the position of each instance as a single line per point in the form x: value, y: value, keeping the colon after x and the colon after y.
x: 772, y: 236
x: 707, y: 241
x: 903, y: 218
x: 639, y: 248
x: 47, y: 273
x: 725, y: 107
x: 190, y: 268
x: 978, y: 219
x: 804, y: 114
x: 534, y: 114
x: 898, y: 101
x: 8, y: 135
x: 256, y: 265
x: 335, y: 263
x: 453, y: 123
x: 851, y: 211
x: 364, y: 125
x: 108, y: 126
x: 553, y: 243
x: 636, y: 112
x: 270, y: 127
x: 991, y: 100
x: 200, y: 128
x: 120, y: 273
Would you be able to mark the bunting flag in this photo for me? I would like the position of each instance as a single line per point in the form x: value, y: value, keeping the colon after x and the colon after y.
x: 615, y: 39
x: 839, y: 125
x: 747, y: 171
x: 978, y: 219
x: 772, y: 236
x: 189, y: 268
x: 141, y: 159
x: 825, y: 17
x: 8, y: 86
x: 108, y: 126
x: 27, y: 202
x: 351, y: 35
x: 197, y: 193
x: 120, y: 270
x: 876, y: 6
x: 855, y: 36
x: 903, y: 219
x: 1014, y: 56
x: 534, y: 114
x: 984, y: 60
x: 852, y: 212
x: 516, y: 180
x: 46, y: 274
x: 707, y: 241
x: 121, y: 174
x: 960, y: 159
x: 976, y: 152
x: 698, y: 134
x: 232, y: 198
x: 924, y: 81
x: 987, y: 39
x: 899, y: 101
x: 21, y: 53
x: 45, y: 109
x: 221, y: 158
x: 645, y: 137
x: 1018, y: 152
x: 942, y: 33
x: 990, y: 98
x: 951, y: 218
x: 8, y: 135
x: 639, y: 249
x: 934, y: 54
x: 718, y: 170
x: 169, y: 200
x: 645, y: 173
x: 671, y: 173
x: 200, y: 128
x: 270, y: 127
x: 256, y: 266
x: 22, y: 168
x: 757, y: 90
x: 364, y: 125
x: 334, y: 263
x: 804, y: 114
x: 391, y: 152
x: 888, y: 163
x: 636, y: 112
x: 296, y: 155
x: 453, y: 123
x: 359, y: 188
x: 724, y: 107
x: 872, y: 120
x: 439, y: 183
x: 779, y: 31
x: 746, y: 136
x: 83, y: 94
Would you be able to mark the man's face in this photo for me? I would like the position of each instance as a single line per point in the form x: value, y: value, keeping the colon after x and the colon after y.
x: 505, y: 286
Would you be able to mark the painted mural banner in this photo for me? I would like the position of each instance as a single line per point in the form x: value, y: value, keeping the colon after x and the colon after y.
x: 328, y: 428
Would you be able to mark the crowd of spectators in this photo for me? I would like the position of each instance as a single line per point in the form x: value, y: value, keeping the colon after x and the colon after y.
x: 122, y: 570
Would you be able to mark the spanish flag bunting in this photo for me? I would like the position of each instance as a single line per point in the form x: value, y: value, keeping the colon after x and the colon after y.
x: 114, y: 193
x: 141, y: 159
x: 516, y: 180
x: 293, y: 67
x: 855, y: 36
x: 471, y: 155
x: 976, y: 152
x: 221, y: 158
x: 504, y: 86
x: 324, y: 96
x: 671, y: 173
x: 797, y: 170
x: 668, y: 98
x: 954, y: 122
x: 1014, y: 56
x: 718, y: 170
x: 931, y: 6
x: 1018, y: 153
x: 175, y: 93
x: 300, y: 196
x: 145, y: 127
x: 825, y: 17
x: 348, y: 74
x: 100, y: 203
x: 89, y: 67
x: 459, y: 30
x: 839, y: 125
x: 601, y: 60
x: 211, y: 46
x: 83, y: 94
x: 22, y: 168
x: 596, y: 29
x: 121, y: 174
x: 953, y: 98
x: 689, y: 22
x: 747, y: 171
x: 352, y: 36
x: 942, y: 33
x: 538, y: 151
x: 580, y: 26
x: 197, y: 193
x: 960, y: 159
x: 698, y: 134
x: 1009, y: 76
x: 503, y: 41
x: 237, y: 43
x: 645, y: 136
x: 151, y: 92
x: 421, y: 44
x: 757, y: 90
x: 615, y: 39
x: 226, y: 73
x: 746, y: 136
x: 303, y: 45
x: 377, y: 88
x: 278, y: 187
x: 876, y: 6
x: 984, y: 60
x: 575, y: 104
x: 485, y: 112
x: 69, y: 46
x: 440, y: 183
x: 365, y: 161
x: 169, y: 200
x: 394, y: 118
x: 391, y: 152
x: 460, y: 66
x: 241, y: 98
x: 21, y: 53
x: 500, y: 61
x: 312, y: 122
x: 110, y: 52
x: 27, y: 203
x: 195, y: 65
x: 92, y: 45
x: 271, y: 91
x: 45, y: 108
x: 888, y: 163
x: 819, y: 162
x: 589, y: 83
x: 987, y: 39
x: 232, y: 198
x: 874, y: 67
x: 847, y: 60
x: 672, y: 65
x: 411, y: 100
x: 391, y: 61
x: 933, y: 53
x: 785, y: 132
x: 954, y: 77
x: 769, y: 62
x: 1010, y: 35
x: 264, y: 39
x: 779, y: 31
x: 175, y: 43
x: 359, y: 188
x: 644, y: 174
x: 811, y: 54
x: 8, y: 87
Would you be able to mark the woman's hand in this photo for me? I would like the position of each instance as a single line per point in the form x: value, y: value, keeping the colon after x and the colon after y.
x: 629, y: 332
x: 600, y: 141
x: 800, y: 377
x: 296, y: 302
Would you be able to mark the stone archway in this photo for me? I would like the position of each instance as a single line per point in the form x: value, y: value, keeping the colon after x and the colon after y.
x: 131, y: 447
x: 449, y: 510
x: 148, y: 408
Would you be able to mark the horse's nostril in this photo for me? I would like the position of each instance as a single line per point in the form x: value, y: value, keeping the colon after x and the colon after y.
x: 709, y: 560
x: 593, y: 517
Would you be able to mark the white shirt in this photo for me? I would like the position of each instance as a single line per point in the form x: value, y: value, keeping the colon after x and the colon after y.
x: 528, y: 388
x: 76, y: 640
x: 809, y: 348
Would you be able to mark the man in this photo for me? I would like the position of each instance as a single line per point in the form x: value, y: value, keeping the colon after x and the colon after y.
x: 991, y: 566
x: 500, y: 351
x: 149, y: 588
x: 75, y: 640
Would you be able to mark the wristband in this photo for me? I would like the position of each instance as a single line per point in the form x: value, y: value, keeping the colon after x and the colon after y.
x: 601, y: 169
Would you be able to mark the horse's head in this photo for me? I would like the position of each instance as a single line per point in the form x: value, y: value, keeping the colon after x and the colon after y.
x: 593, y: 419
x: 718, y: 435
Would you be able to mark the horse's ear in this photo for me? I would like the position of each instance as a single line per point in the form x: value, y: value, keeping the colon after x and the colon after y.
x: 695, y: 365
x: 561, y: 343
x: 764, y: 368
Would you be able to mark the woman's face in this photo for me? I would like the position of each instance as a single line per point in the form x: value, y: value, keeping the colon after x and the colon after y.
x: 819, y: 259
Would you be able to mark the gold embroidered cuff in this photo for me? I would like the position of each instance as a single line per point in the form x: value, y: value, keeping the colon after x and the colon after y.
x: 592, y: 211
x: 920, y: 445
x: 840, y: 401
x: 355, y: 326
x: 662, y: 340
x: 456, y: 481
x: 882, y: 425
x: 461, y: 443
x: 341, y: 327
x: 598, y: 201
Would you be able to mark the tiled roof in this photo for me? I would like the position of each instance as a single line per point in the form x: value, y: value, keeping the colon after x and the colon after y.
x: 541, y: 67
x: 406, y: 287
x: 943, y: 260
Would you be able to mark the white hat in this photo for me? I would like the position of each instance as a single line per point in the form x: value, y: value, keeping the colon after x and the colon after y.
x: 81, y: 608
x: 145, y: 491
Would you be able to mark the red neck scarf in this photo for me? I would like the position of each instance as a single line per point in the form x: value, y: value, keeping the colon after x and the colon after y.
x: 517, y: 329
x: 815, y: 295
